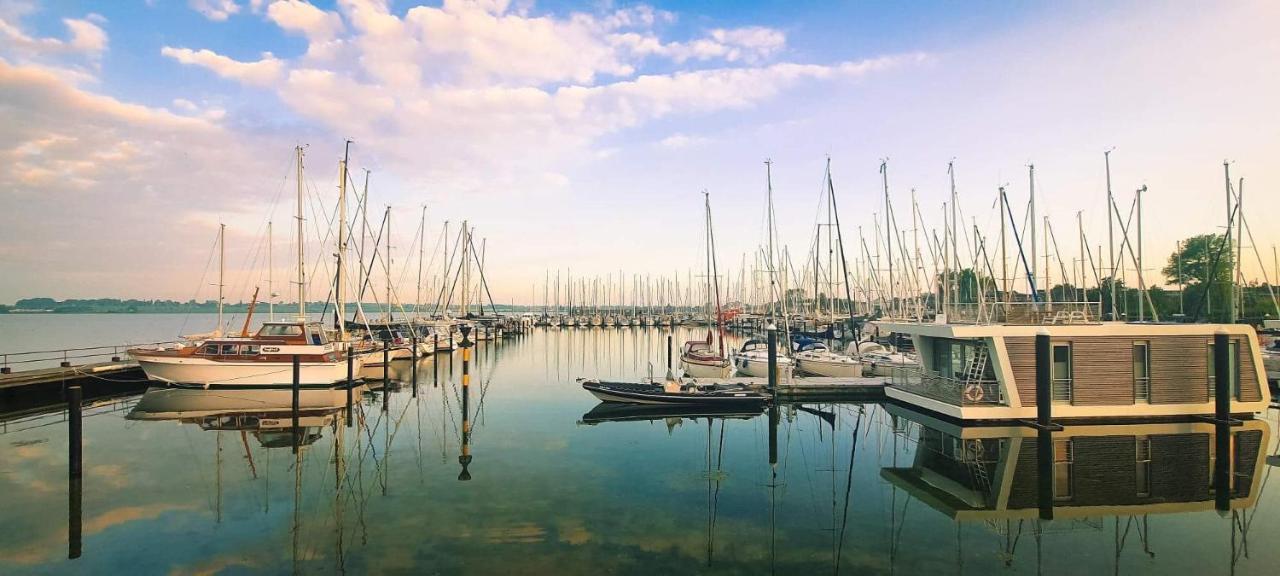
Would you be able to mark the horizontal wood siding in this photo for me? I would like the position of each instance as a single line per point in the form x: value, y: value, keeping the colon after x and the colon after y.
x: 1022, y: 359
x: 1102, y: 370
x: 1250, y: 390
x: 1179, y: 369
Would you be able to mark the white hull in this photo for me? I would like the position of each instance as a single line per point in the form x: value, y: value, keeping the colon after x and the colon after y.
x: 758, y: 367
x: 205, y: 372
x: 700, y: 370
x: 834, y: 367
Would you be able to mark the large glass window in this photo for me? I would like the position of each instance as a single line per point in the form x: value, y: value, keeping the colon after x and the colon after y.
x: 280, y: 330
x: 1062, y: 372
x: 1142, y: 371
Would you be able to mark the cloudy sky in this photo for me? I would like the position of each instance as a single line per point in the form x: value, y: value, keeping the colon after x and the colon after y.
x: 581, y: 134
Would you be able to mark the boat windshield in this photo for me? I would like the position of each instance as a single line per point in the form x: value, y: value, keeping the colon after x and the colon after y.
x: 280, y: 330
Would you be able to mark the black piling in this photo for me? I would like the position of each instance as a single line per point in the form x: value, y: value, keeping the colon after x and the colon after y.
x: 1044, y: 380
x: 351, y: 372
x: 668, y: 353
x: 414, y: 369
x: 1222, y: 417
x: 1044, y: 473
x: 773, y: 358
x: 465, y: 458
x: 75, y: 468
x: 297, y: 398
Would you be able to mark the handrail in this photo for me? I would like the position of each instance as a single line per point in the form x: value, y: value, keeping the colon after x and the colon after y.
x: 66, y: 355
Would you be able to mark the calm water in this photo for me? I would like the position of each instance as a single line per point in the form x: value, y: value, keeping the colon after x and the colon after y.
x: 557, y: 486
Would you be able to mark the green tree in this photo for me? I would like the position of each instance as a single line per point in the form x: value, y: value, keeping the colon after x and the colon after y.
x: 1203, y: 265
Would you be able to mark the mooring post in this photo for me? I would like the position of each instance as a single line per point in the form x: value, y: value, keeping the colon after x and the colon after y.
x: 386, y: 363
x: 1044, y: 472
x: 1044, y: 379
x: 75, y: 397
x: 297, y: 393
x: 1222, y: 416
x: 465, y: 458
x: 773, y: 358
x: 351, y: 372
x: 74, y: 470
x: 414, y: 369
x: 668, y: 353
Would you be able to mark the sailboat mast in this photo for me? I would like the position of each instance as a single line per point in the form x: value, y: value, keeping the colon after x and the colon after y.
x: 271, y: 291
x: 715, y: 276
x: 466, y: 269
x: 302, y: 274
x: 1111, y: 247
x: 340, y: 296
x: 888, y: 230
x: 386, y: 267
x: 222, y: 269
x: 1031, y: 177
x: 422, y: 249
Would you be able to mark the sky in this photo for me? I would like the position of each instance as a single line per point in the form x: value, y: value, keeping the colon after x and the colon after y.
x: 580, y: 135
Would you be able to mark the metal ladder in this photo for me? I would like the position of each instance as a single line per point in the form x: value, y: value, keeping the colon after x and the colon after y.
x: 977, y: 366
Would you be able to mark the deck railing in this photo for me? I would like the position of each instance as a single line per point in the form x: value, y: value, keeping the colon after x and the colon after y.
x: 1039, y: 313
x: 953, y: 391
x: 35, y: 359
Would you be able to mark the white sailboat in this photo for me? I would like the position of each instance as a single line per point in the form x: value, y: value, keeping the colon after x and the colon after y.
x: 699, y: 358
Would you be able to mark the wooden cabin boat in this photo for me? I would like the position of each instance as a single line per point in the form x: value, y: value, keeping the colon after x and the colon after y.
x: 992, y: 473
x: 1100, y: 370
x: 264, y: 359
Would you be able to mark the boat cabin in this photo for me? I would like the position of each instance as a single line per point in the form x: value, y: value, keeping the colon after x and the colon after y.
x: 1099, y: 370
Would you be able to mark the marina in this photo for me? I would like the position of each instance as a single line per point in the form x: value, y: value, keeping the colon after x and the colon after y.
x: 513, y: 465
x: 639, y: 288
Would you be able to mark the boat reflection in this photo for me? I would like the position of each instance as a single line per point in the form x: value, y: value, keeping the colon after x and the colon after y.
x: 619, y: 412
x: 266, y: 413
x: 1082, y: 477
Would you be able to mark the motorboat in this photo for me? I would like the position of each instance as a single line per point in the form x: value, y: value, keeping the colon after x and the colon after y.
x: 264, y: 359
x: 674, y: 392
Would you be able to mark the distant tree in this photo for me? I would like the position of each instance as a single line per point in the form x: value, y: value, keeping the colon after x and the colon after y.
x: 1203, y: 265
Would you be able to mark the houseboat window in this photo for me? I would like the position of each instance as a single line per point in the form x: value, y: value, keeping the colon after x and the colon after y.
x: 1062, y: 372
x: 1062, y: 464
x: 1142, y: 447
x: 280, y: 330
x: 210, y: 350
x: 249, y: 350
x: 1142, y: 371
x: 1233, y: 369
x: 228, y: 349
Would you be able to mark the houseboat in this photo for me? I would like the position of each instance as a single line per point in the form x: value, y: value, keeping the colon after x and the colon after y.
x: 986, y: 371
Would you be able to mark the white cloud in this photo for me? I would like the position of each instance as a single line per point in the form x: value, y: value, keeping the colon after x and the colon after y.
x: 297, y: 16
x: 84, y: 38
x: 216, y: 10
x: 259, y: 72
x: 678, y: 141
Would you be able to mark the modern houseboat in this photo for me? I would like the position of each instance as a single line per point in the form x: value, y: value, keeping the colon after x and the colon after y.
x: 986, y: 371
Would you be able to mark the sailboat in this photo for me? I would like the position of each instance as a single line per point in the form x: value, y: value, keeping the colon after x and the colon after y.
x: 813, y: 356
x: 700, y: 360
x: 264, y: 359
x: 753, y: 358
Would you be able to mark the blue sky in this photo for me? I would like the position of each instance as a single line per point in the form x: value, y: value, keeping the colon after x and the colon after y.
x: 579, y: 135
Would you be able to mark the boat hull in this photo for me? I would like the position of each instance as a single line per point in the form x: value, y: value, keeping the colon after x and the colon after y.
x: 759, y: 367
x: 639, y: 394
x: 703, y: 369
x: 209, y: 373
x: 835, y: 368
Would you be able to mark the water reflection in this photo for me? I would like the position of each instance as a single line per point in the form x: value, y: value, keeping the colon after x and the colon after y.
x: 554, y: 482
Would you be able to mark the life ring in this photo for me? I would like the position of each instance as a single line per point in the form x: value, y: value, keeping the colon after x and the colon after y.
x: 973, y: 393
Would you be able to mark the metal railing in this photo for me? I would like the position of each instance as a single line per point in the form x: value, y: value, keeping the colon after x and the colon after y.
x: 1037, y: 313
x: 67, y: 357
x: 953, y: 391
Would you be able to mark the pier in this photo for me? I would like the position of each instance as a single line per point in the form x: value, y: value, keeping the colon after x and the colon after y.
x: 30, y: 380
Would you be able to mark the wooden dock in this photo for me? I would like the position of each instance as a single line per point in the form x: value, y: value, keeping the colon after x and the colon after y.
x: 105, y: 371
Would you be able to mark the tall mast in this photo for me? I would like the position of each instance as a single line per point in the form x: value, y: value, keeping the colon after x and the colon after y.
x: 386, y: 267
x: 1031, y: 178
x: 1141, y: 282
x: 1111, y: 246
x: 271, y: 291
x: 364, y: 232
x: 466, y: 269
x: 222, y: 269
x: 844, y: 264
x: 1004, y: 257
x: 340, y: 296
x: 302, y: 273
x: 955, y: 251
x: 422, y: 248
x: 1231, y: 289
x: 888, y: 229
